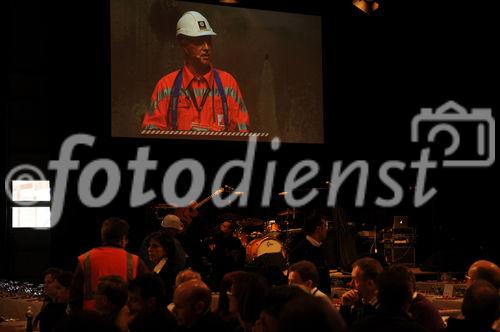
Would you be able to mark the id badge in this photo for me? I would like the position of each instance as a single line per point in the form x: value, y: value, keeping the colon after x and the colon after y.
x: 199, y: 127
x: 220, y: 120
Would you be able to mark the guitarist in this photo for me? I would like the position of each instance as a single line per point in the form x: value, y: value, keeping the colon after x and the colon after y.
x: 195, y: 230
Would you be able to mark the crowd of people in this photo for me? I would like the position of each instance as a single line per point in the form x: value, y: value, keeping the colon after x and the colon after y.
x: 114, y: 290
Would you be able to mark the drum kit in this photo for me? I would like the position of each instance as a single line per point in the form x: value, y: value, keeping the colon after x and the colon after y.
x: 271, y: 237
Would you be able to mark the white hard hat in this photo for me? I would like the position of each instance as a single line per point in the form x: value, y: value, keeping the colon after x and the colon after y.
x: 193, y: 24
x: 172, y: 221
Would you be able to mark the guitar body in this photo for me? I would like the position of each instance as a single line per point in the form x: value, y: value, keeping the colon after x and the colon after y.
x: 186, y: 214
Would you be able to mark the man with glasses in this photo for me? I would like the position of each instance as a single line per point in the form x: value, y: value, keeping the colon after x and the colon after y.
x: 361, y: 301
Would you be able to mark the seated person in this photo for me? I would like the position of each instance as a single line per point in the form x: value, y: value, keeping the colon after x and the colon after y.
x: 484, y: 270
x: 423, y: 311
x: 308, y: 313
x: 395, y: 293
x: 49, y: 276
x: 361, y: 301
x: 275, y: 302
x: 480, y: 309
x: 246, y: 294
x: 182, y: 277
x: 192, y: 308
x: 305, y: 275
x: 147, y: 305
x: 58, y: 291
x: 111, y: 299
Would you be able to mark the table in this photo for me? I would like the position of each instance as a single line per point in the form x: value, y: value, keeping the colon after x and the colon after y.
x: 12, y: 307
x: 443, y: 303
x: 13, y: 326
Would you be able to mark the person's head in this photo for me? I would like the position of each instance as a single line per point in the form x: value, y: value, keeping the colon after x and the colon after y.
x: 111, y: 294
x: 274, y: 305
x: 186, y: 275
x: 194, y: 35
x: 172, y: 225
x: 146, y: 294
x: 227, y: 228
x: 484, y: 270
x: 49, y: 277
x: 160, y: 245
x: 316, y: 226
x: 115, y: 231
x: 395, y: 288
x: 307, y: 313
x: 192, y: 301
x: 481, y: 303
x: 61, y: 287
x: 365, y: 272
x: 303, y: 274
x: 246, y: 293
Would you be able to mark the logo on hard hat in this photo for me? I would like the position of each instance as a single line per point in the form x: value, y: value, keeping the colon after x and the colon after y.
x: 202, y: 25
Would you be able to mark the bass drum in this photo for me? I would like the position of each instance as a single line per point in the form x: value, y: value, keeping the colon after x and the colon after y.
x: 265, y: 245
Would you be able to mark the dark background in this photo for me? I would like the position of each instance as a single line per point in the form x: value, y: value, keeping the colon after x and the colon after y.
x: 378, y: 71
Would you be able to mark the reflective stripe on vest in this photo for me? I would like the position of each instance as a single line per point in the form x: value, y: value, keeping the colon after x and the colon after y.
x: 130, y: 267
x: 88, y: 294
x: 174, y: 99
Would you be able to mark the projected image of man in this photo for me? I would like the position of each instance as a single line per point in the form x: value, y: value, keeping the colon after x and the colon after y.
x: 197, y: 96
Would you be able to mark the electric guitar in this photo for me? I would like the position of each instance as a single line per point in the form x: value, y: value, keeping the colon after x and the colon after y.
x: 186, y: 214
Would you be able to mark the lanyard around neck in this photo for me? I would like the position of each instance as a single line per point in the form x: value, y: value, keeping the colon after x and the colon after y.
x: 193, y: 97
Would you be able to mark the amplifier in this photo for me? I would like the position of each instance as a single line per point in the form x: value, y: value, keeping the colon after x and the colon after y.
x: 400, y: 254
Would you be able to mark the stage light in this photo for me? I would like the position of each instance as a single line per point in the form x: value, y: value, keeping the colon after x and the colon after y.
x: 367, y: 6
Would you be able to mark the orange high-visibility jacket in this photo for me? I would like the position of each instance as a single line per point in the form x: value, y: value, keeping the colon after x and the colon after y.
x: 104, y: 261
x: 211, y: 114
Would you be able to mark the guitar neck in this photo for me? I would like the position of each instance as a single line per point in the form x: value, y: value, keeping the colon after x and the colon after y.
x: 209, y: 198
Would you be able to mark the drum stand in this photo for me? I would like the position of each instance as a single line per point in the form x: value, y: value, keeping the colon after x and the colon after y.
x: 288, y: 239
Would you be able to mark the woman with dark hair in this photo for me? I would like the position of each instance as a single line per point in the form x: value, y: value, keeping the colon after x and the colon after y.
x: 246, y: 294
x: 230, y: 318
x: 161, y: 250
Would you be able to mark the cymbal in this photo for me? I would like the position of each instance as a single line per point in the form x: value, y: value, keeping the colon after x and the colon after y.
x: 287, y: 212
x: 293, y: 230
x: 229, y: 216
x: 250, y: 222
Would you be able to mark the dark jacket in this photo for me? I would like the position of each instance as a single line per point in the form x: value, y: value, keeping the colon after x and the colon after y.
x: 304, y: 250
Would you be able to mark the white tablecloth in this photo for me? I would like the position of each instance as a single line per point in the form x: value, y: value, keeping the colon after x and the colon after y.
x: 16, y: 307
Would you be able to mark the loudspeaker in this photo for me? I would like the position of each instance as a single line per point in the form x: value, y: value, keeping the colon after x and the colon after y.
x: 400, y: 254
